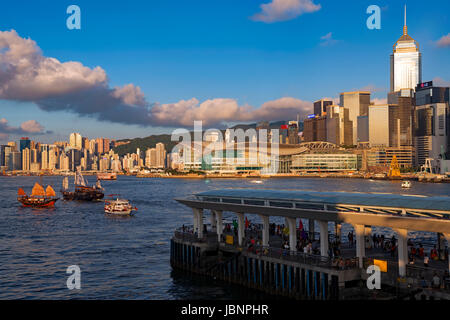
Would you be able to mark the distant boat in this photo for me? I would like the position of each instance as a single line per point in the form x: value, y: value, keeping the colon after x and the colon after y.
x: 106, y: 176
x: 406, y: 184
x: 82, y: 191
x: 256, y: 181
x: 119, y: 207
x: 39, y: 197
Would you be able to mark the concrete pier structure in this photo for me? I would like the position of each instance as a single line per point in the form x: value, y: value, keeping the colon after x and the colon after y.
x: 279, y: 271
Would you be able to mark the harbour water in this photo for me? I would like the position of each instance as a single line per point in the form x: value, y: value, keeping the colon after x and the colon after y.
x: 128, y: 258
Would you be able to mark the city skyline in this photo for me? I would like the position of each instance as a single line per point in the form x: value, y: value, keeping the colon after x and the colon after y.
x: 278, y: 92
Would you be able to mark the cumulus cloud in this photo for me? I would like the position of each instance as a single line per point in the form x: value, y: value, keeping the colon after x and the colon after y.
x: 282, y: 10
x: 27, y: 75
x: 444, y: 41
x: 219, y: 111
x: 27, y: 127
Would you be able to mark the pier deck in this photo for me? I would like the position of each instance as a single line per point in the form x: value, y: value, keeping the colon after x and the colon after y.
x: 258, y: 258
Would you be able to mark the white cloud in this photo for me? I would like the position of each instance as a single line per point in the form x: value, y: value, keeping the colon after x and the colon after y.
x: 327, y: 40
x: 27, y: 75
x: 27, y: 127
x: 215, y: 112
x: 281, y: 10
x: 444, y: 41
x: 439, y: 82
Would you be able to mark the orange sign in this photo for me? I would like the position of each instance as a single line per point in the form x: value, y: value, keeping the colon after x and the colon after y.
x: 381, y: 264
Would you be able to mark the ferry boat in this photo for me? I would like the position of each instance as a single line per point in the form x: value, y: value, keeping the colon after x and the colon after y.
x: 39, y: 197
x: 82, y: 191
x: 406, y: 184
x: 107, y: 176
x: 119, y: 207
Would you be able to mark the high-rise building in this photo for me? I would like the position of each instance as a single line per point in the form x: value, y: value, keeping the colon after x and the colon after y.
x: 160, y: 155
x: 26, y: 159
x: 315, y: 128
x: 24, y: 143
x: 357, y: 103
x: 76, y: 141
x: 379, y: 126
x: 406, y: 62
x: 401, y: 117
x: 320, y: 106
x: 339, y: 126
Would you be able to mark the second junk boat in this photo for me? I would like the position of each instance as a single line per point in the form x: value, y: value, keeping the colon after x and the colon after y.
x: 82, y: 191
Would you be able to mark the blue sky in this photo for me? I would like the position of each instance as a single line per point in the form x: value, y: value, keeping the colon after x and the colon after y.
x: 179, y: 50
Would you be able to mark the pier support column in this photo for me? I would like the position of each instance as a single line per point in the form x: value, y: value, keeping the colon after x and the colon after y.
x: 292, y: 225
x: 402, y: 235
x: 447, y: 237
x: 338, y: 228
x: 213, y: 220
x: 360, y: 243
x: 219, y: 224
x: 241, y: 228
x: 199, y: 223
x: 195, y: 211
x: 311, y: 229
x: 265, y: 230
x: 323, y: 225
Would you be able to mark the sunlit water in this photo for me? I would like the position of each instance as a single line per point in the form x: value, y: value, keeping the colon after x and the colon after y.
x: 126, y: 258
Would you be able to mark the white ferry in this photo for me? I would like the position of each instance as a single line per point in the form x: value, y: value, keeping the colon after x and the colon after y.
x: 119, y: 207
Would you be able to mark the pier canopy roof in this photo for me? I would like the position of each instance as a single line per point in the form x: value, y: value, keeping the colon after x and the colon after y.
x: 387, y: 200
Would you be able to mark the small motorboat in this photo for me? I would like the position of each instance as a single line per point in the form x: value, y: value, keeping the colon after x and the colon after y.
x: 119, y: 207
x: 256, y: 181
x: 406, y: 184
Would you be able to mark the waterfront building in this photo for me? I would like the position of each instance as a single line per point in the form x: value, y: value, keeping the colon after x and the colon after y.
x: 378, y: 159
x: 338, y: 125
x: 329, y: 162
x: 406, y: 62
x: 320, y: 106
x: 357, y: 104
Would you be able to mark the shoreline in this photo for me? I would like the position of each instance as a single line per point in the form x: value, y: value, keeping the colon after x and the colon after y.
x: 367, y: 176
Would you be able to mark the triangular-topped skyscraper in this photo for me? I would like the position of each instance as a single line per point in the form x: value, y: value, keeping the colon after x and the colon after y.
x: 406, y: 62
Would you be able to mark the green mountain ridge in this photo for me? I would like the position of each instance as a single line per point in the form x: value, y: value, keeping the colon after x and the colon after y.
x: 150, y: 142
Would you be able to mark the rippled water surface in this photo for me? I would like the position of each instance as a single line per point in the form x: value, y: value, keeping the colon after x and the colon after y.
x: 124, y: 258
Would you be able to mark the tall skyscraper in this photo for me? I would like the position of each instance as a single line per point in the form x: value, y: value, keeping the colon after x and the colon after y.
x: 76, y: 141
x: 26, y: 159
x: 431, y: 122
x: 160, y: 155
x: 406, y: 62
x: 357, y: 103
x: 320, y: 106
x: 25, y: 142
x: 339, y: 127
